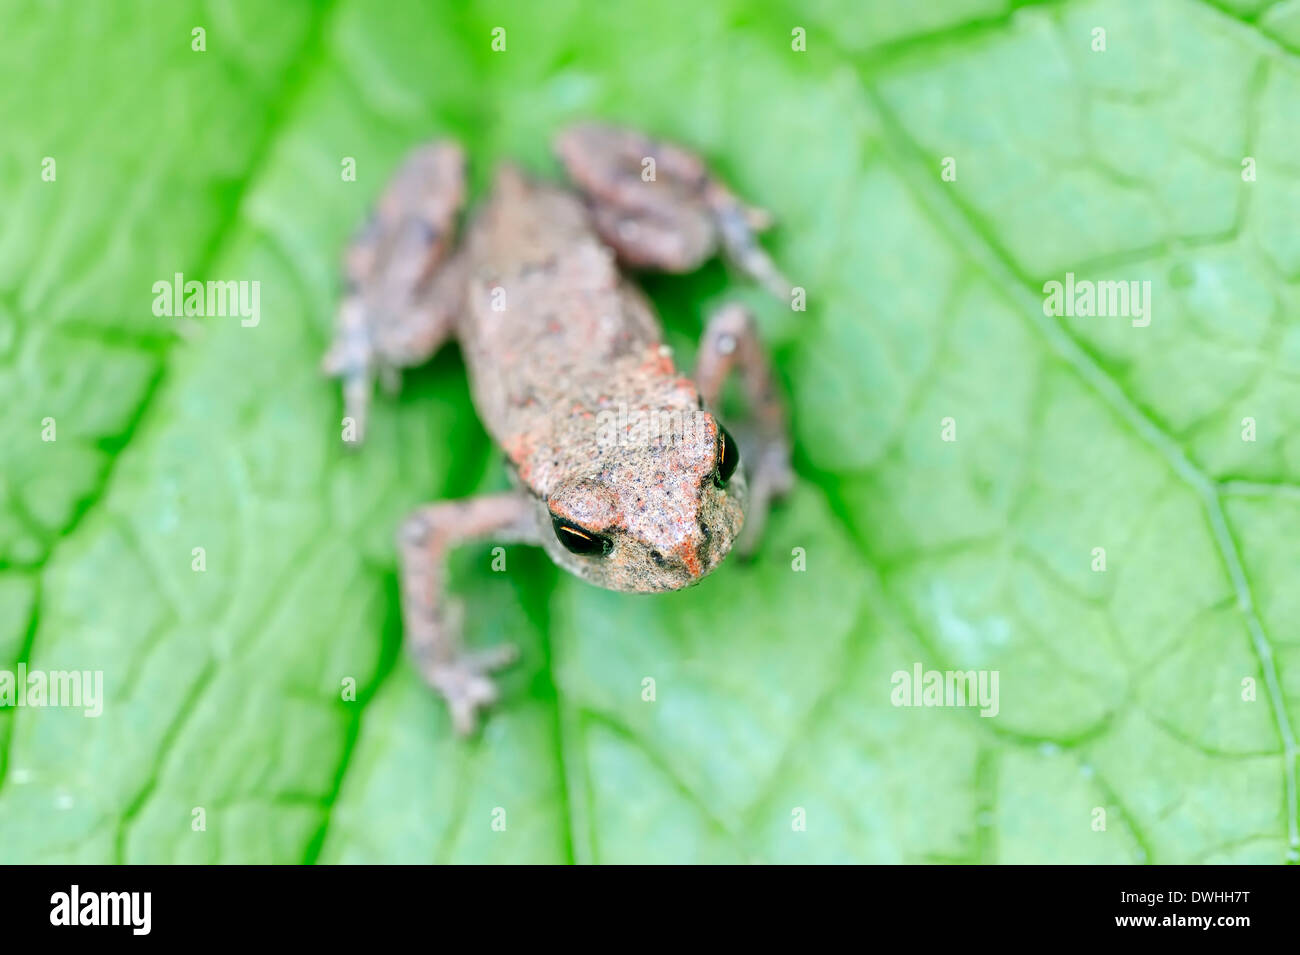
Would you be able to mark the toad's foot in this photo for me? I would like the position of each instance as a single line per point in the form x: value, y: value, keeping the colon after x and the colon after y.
x: 463, y: 679
x: 432, y: 622
x: 731, y: 342
x: 400, y: 305
x: 657, y: 205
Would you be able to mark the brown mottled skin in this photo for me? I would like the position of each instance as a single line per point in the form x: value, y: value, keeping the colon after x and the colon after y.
x: 567, y: 370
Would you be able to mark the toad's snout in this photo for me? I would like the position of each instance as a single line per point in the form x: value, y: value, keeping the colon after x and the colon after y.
x: 692, y: 557
x: 698, y: 555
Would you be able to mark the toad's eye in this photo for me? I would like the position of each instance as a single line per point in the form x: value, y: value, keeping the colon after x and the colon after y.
x: 728, y: 458
x: 579, y: 540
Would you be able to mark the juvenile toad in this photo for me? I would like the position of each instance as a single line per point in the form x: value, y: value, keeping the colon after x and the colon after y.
x: 620, y: 469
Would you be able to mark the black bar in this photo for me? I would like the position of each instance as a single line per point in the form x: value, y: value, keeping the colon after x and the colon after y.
x: 933, y: 905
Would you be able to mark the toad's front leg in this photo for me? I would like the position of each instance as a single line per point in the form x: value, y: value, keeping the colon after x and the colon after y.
x: 730, y: 343
x: 432, y: 621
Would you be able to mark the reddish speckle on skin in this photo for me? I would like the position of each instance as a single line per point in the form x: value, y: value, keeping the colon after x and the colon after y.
x: 691, y: 559
x: 657, y: 363
x: 518, y: 448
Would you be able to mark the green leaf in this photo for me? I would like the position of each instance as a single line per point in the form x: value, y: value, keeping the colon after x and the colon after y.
x: 1161, y: 694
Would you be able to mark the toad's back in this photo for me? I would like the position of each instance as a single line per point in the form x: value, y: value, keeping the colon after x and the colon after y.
x: 552, y: 334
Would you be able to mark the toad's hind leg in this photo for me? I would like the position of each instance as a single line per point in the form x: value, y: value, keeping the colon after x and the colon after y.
x: 403, y: 288
x: 673, y: 218
x: 431, y: 620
